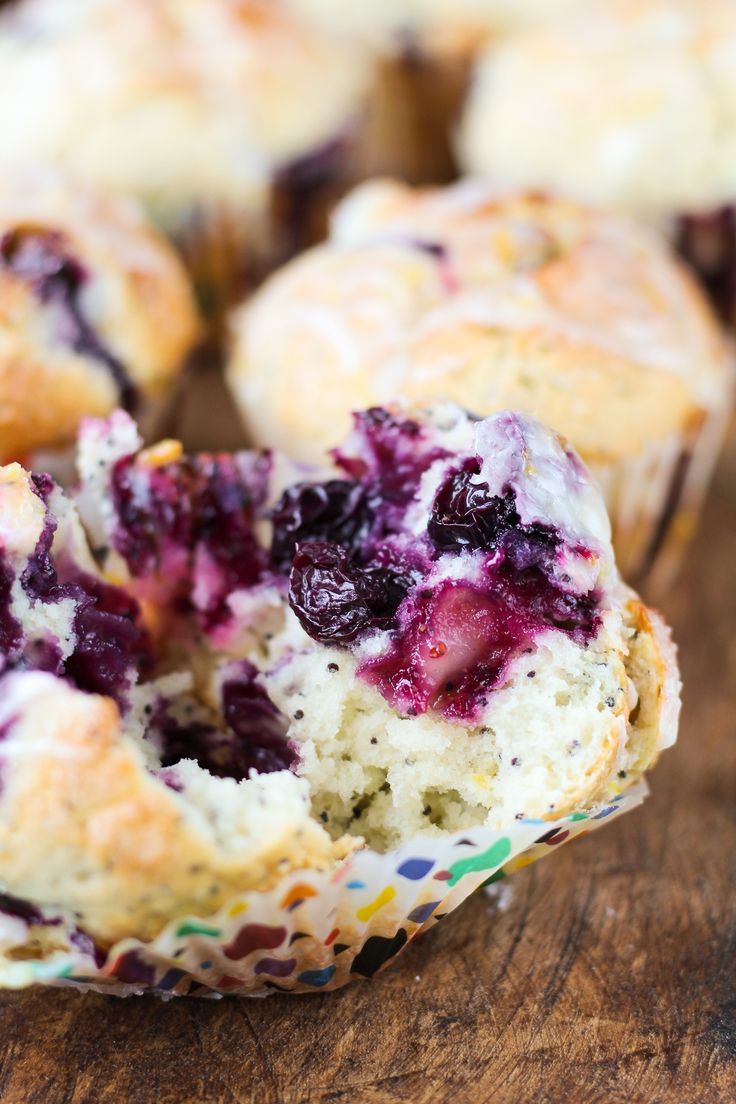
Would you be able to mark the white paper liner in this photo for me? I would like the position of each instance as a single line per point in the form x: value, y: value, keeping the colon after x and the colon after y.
x: 316, y: 930
x: 654, y: 499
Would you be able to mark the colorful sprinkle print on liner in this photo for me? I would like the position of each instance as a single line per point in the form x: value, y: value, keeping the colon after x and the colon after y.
x: 315, y: 930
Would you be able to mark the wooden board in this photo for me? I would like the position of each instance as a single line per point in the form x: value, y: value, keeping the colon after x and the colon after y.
x: 610, y: 976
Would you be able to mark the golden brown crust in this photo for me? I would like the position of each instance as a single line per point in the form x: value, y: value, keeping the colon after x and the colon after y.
x: 652, y: 666
x: 645, y: 717
x: 497, y: 302
x: 135, y: 297
x: 83, y: 823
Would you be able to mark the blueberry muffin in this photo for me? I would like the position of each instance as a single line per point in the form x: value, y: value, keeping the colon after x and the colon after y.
x: 499, y: 300
x: 632, y: 104
x: 96, y: 310
x: 212, y: 675
x: 228, y: 118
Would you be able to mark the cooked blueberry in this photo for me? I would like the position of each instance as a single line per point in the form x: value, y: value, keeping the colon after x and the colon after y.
x: 109, y: 641
x: 255, y: 720
x: 466, y: 515
x: 337, y: 510
x: 393, y: 452
x: 336, y: 599
x: 254, y: 739
x: 192, y: 524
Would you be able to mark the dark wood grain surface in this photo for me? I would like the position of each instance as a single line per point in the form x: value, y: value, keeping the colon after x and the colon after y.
x: 610, y: 976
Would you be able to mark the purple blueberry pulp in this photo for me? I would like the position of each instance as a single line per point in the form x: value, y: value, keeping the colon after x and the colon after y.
x: 21, y: 910
x: 191, y: 524
x: 337, y: 599
x: 41, y: 259
x: 108, y: 640
x: 356, y: 569
x: 254, y: 739
x: 110, y: 646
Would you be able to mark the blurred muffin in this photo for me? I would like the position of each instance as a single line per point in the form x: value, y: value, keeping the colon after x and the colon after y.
x: 631, y: 104
x: 228, y: 118
x: 96, y: 311
x: 499, y: 301
x: 424, y: 50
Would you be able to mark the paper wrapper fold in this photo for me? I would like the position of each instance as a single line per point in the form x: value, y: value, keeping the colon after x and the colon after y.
x: 315, y: 931
x: 654, y: 499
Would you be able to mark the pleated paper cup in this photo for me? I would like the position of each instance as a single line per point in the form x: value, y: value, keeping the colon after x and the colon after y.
x: 654, y: 499
x: 316, y: 930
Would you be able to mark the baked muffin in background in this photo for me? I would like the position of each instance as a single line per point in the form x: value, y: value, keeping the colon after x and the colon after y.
x: 423, y: 51
x: 96, y: 310
x: 229, y: 119
x: 497, y: 300
x: 432, y: 640
x: 630, y: 104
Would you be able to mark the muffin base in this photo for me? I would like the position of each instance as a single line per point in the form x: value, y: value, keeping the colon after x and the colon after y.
x: 316, y: 930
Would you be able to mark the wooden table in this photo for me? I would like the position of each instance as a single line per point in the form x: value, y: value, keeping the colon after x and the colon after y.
x: 610, y: 976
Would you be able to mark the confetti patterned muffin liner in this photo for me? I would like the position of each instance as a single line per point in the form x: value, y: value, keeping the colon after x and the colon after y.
x: 314, y: 931
x: 654, y: 499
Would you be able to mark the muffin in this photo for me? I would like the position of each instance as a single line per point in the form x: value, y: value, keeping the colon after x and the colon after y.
x: 96, y: 310
x: 227, y: 118
x: 631, y: 104
x: 258, y: 732
x: 499, y: 300
x: 424, y: 50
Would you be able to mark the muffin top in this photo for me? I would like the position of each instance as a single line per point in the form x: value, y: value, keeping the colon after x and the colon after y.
x: 434, y: 25
x: 490, y: 300
x: 95, y: 309
x: 174, y: 100
x: 630, y: 103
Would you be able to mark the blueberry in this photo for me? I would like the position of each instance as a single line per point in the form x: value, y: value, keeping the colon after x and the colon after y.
x: 337, y: 510
x: 337, y: 600
x: 466, y: 515
x: 109, y: 641
x: 254, y: 737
